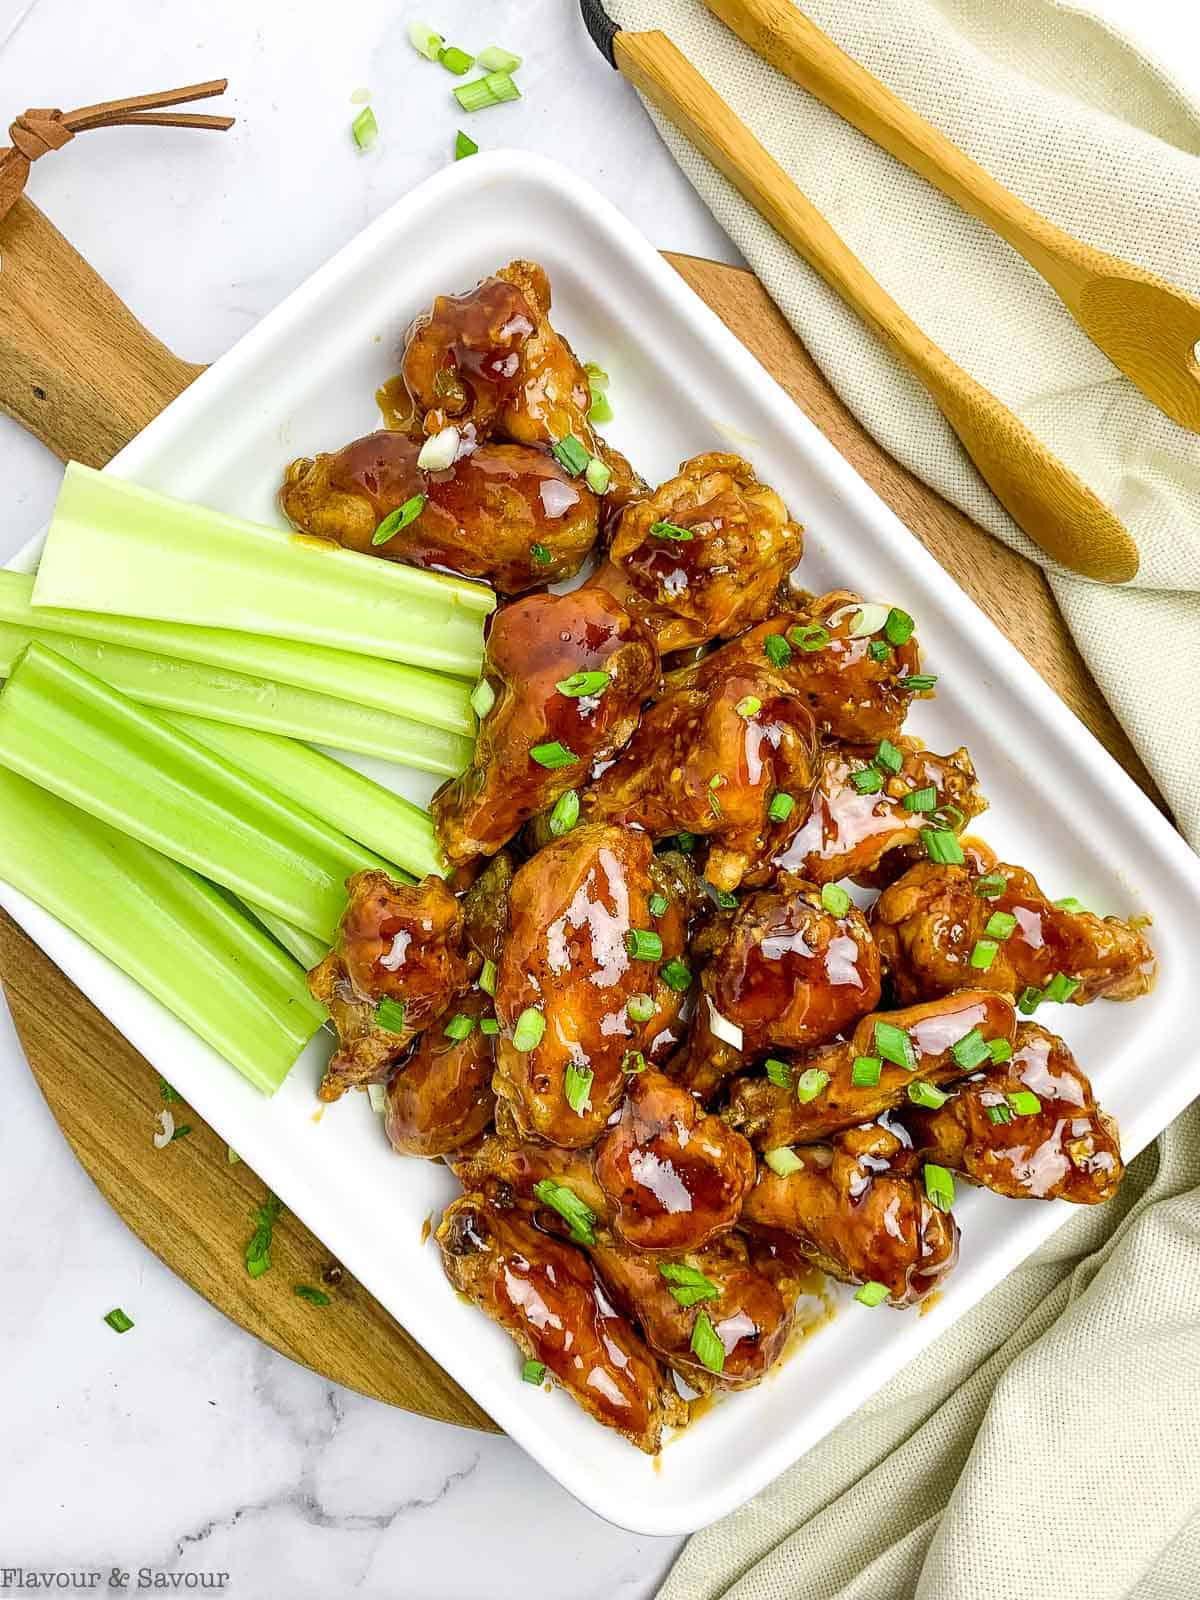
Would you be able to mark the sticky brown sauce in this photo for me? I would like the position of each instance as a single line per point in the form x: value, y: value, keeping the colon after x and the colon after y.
x: 395, y: 407
x: 929, y: 1302
x: 427, y: 1228
x: 317, y: 1115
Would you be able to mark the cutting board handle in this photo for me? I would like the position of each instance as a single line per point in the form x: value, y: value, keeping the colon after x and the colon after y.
x: 77, y: 369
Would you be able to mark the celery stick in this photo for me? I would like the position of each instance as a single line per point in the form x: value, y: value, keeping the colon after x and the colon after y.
x: 79, y: 738
x: 306, y: 948
x: 115, y: 547
x: 426, y: 697
x: 223, y: 696
x: 398, y: 830
x: 168, y: 929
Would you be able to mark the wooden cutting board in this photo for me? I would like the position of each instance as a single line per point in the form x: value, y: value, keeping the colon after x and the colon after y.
x: 80, y: 372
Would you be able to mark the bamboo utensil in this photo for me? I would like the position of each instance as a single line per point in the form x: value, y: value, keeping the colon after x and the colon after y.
x: 1144, y: 325
x: 1054, y: 507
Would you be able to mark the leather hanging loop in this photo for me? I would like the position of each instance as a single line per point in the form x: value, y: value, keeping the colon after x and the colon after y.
x: 40, y: 130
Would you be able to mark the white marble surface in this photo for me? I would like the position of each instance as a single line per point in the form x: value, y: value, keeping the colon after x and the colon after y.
x: 185, y: 1445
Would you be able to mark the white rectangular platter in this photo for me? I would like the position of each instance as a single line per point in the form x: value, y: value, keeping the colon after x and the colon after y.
x: 304, y: 380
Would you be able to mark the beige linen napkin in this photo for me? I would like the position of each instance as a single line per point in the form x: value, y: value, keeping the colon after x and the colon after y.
x: 1049, y: 1444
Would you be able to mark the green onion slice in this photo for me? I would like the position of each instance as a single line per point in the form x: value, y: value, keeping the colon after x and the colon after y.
x: 460, y: 1026
x: 835, y: 899
x: 644, y: 944
x: 1000, y: 1050
x: 927, y: 1095
x: 942, y: 846
x: 748, y: 706
x: 706, y: 1346
x: 553, y: 755
x: 1060, y: 987
x: 971, y: 1050
x: 867, y: 781
x: 779, y: 1073
x: 870, y: 619
x: 939, y: 1186
x: 894, y: 1045
x: 399, y: 518
x: 866, y: 1072
x: 920, y: 799
x: 425, y: 40
x: 1024, y: 1103
x: 918, y: 682
x: 898, y: 628
x: 1069, y: 903
x: 389, y: 1014
x: 983, y: 954
x: 497, y: 59
x: 777, y: 650
x: 541, y: 555
x: 483, y: 698
x: 577, y: 1085
x: 888, y: 757
x: 481, y: 93
x: 1000, y: 925
x: 872, y: 1294
x: 633, y: 1062
x: 118, y: 1321
x: 571, y: 454
x: 689, y: 1285
x: 878, y: 650
x: 781, y: 807
x: 455, y: 60
x: 671, y: 530
x: 583, y: 683
x: 487, y: 978
x: 658, y: 904
x: 531, y: 1025
x: 810, y: 1083
x: 533, y: 1372
x: 315, y: 1297
x: 597, y: 474
x: 1030, y: 1000
x: 489, y: 1027
x: 565, y: 813
x: 810, y: 638
x: 640, y: 1007
x: 578, y: 1216
x: 364, y: 130
x: 464, y: 145
x: 994, y: 884
x: 676, y: 974
x: 999, y: 1114
x: 782, y: 1161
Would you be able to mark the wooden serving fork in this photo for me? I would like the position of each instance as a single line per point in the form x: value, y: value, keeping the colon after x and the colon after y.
x: 1145, y: 326
x: 1041, y: 493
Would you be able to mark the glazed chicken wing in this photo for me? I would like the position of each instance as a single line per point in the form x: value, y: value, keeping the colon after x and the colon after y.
x: 859, y: 1210
x: 675, y: 1176
x: 567, y: 974
x: 485, y: 907
x: 937, y: 925
x: 727, y: 753
x: 1029, y: 1128
x: 851, y: 1081
x: 397, y: 943
x: 703, y: 556
x: 502, y: 512
x: 858, y: 811
x: 508, y: 1170
x: 547, y: 1295
x: 442, y: 1096
x: 462, y: 359
x: 569, y: 674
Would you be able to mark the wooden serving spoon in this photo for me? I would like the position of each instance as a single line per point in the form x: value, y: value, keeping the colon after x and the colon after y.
x: 1145, y: 326
x: 1054, y: 506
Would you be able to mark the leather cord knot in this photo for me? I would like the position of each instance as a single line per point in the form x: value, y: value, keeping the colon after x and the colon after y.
x: 40, y: 130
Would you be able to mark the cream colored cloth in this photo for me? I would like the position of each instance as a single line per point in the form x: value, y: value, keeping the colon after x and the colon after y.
x: 1048, y: 1446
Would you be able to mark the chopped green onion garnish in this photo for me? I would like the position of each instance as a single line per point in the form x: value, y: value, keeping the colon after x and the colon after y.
x: 899, y: 626
x: 948, y: 816
x: 685, y: 842
x: 983, y: 954
x: 423, y: 39
x: 810, y: 638
x: 927, y: 1095
x: 231, y: 1156
x: 726, y: 901
x: 777, y: 650
x: 596, y: 376
x: 644, y: 944
x: 455, y: 60
x: 464, y: 145
x: 866, y: 1071
x: 1024, y: 1103
x: 565, y: 814
x: 364, y: 129
x: 779, y: 1073
x: 597, y: 475
x: 577, y: 1085
x: 533, y: 1372
x: 689, y: 1284
x: 489, y: 1027
x: 389, y: 1014
x: 894, y: 1045
x: 994, y: 884
x: 1000, y: 1050
x: 640, y: 1007
x: 942, y: 846
x: 835, y: 899
x: 671, y: 530
x: 867, y: 781
x: 400, y: 518
x: 782, y: 1161
x: 118, y: 1321
x: 878, y: 650
x: 971, y: 1050
x: 658, y: 904
x: 939, y: 1186
x: 541, y: 555
x: 1060, y: 987
x: 872, y: 1294
x: 258, y: 1246
x: 781, y: 806
x: 531, y: 1025
x: 571, y: 455
x: 481, y: 93
x: 599, y: 411
x: 918, y: 682
x: 706, y: 1345
x: 888, y: 757
x: 867, y: 621
x: 920, y: 799
x: 676, y: 974
x: 496, y: 59
x: 1030, y: 999
x: 483, y: 698
x: 810, y: 1084
x: 580, y: 1218
x: 581, y: 683
x: 1000, y: 925
x: 315, y: 1297
x: 633, y: 1062
x: 553, y: 755
x: 181, y: 1132
x: 487, y: 977
x: 748, y: 706
x: 999, y: 1113
x: 460, y: 1026
x: 168, y: 1095
x: 1069, y: 903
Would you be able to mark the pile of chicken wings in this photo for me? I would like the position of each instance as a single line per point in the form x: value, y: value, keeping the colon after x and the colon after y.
x: 672, y: 1061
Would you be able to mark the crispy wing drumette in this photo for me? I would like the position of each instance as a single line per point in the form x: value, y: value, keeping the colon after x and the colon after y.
x: 930, y: 921
x: 547, y: 1295
x: 675, y: 1176
x: 702, y: 557
x: 859, y: 1210
x: 507, y: 1169
x: 1029, y: 1127
x: 568, y: 970
x: 397, y: 942
x: 463, y: 358
x: 728, y: 753
x: 442, y: 1096
x: 503, y: 512
x: 857, y: 812
x: 547, y: 726
x: 938, y: 1041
